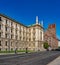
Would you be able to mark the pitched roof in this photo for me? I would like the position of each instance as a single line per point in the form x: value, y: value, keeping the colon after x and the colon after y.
x: 11, y: 19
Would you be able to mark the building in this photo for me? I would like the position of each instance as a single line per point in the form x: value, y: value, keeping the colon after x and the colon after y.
x: 50, y: 36
x: 16, y: 35
x: 58, y: 43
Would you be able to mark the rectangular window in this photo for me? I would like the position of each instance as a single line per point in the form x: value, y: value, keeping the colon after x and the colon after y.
x: 5, y: 28
x: 0, y: 43
x: 33, y: 34
x: 0, y: 27
x: 11, y: 23
x: 41, y: 36
x: 20, y: 38
x: 29, y: 34
x: 0, y: 19
x: 29, y: 39
x: 33, y: 29
x: 16, y: 25
x: 6, y: 49
x: 16, y: 37
x: 6, y: 35
x: 0, y: 49
x: 11, y: 43
x: 11, y: 36
x: 0, y: 34
x: 11, y: 30
x: 33, y: 39
x: 6, y: 43
x: 11, y: 49
x: 16, y: 31
x: 6, y: 21
x: 29, y: 30
x: 24, y: 38
x: 20, y: 48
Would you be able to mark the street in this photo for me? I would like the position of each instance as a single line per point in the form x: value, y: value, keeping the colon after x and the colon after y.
x: 37, y: 58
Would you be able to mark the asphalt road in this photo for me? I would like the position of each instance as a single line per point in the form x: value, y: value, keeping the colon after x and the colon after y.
x: 38, y: 58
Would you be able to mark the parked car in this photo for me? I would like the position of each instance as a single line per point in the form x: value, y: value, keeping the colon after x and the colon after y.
x: 58, y: 49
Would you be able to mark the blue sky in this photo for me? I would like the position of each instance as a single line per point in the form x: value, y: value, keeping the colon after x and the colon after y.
x: 25, y: 11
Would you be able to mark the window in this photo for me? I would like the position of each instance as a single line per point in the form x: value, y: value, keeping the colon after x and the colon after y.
x: 16, y: 44
x: 6, y: 21
x: 0, y: 34
x: 6, y: 49
x: 11, y: 23
x: 33, y: 34
x: 20, y: 38
x: 6, y: 43
x: 5, y: 28
x: 33, y: 39
x: 11, y: 49
x: 0, y: 27
x: 0, y: 19
x: 29, y: 45
x: 29, y: 34
x: 29, y: 30
x: 24, y: 38
x: 16, y: 31
x: 33, y: 29
x: 20, y: 48
x: 49, y: 39
x: 0, y: 49
x: 16, y: 37
x: 6, y: 35
x: 11, y: 36
x: 41, y: 36
x: 16, y: 25
x: 29, y: 39
x: 11, y: 43
x: 11, y: 30
x: 0, y: 43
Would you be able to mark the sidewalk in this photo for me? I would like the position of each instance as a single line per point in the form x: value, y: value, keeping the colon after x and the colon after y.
x: 11, y: 53
x: 55, y: 62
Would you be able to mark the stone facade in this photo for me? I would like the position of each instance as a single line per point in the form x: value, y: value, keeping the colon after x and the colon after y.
x: 16, y: 35
x: 50, y: 36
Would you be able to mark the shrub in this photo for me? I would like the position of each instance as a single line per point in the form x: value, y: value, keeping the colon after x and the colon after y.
x: 46, y: 45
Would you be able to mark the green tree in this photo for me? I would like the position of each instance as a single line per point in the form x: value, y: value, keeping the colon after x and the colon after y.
x: 46, y: 45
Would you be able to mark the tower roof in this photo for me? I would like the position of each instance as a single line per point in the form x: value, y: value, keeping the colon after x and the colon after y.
x: 36, y: 19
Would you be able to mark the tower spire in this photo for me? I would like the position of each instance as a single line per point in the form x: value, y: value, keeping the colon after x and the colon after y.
x: 36, y: 19
x: 42, y: 22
